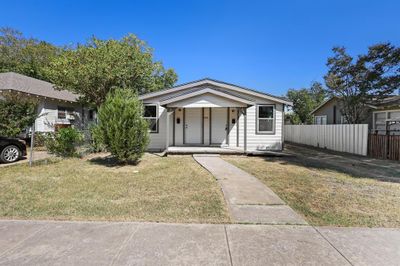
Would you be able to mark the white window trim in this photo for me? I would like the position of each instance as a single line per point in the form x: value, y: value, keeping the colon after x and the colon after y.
x: 320, y: 116
x: 156, y: 117
x: 382, y: 111
x: 273, y: 119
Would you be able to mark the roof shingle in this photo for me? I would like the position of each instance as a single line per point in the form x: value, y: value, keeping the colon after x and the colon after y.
x: 17, y: 82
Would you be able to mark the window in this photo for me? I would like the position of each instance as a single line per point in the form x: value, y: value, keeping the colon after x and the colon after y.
x: 63, y: 112
x: 91, y: 115
x: 320, y: 120
x: 381, y: 118
x: 150, y: 114
x: 265, y: 118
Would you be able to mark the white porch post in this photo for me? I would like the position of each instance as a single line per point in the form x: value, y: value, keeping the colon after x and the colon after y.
x: 169, y: 113
x: 245, y: 128
x: 167, y: 130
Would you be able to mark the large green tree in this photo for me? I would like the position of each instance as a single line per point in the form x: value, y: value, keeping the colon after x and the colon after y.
x: 23, y: 55
x: 369, y: 77
x: 94, y: 69
x: 304, y: 101
x: 16, y: 114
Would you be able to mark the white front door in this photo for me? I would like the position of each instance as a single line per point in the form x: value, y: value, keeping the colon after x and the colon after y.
x: 193, y: 126
x: 219, y: 118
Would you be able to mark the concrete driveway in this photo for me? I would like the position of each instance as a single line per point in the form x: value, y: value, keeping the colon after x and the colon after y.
x: 106, y: 243
x: 37, y: 155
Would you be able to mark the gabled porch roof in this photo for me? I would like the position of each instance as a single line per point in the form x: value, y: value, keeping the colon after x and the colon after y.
x: 206, y: 97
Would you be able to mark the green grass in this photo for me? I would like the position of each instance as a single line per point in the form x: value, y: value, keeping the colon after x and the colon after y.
x: 168, y: 189
x: 327, y: 197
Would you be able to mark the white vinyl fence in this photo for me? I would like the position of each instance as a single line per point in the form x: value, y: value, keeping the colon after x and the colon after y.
x: 344, y: 138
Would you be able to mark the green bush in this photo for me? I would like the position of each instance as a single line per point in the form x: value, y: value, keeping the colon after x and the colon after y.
x: 40, y: 138
x: 96, y: 139
x: 64, y: 142
x: 122, y: 127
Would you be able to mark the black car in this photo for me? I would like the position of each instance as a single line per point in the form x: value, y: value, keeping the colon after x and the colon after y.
x: 11, y: 149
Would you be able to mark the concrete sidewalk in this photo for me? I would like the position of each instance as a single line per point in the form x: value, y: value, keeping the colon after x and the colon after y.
x: 106, y: 243
x: 248, y: 199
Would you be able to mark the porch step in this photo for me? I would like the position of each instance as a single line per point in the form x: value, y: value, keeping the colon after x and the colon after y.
x: 203, y: 150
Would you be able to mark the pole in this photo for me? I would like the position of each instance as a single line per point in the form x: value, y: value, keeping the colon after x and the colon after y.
x: 32, y: 141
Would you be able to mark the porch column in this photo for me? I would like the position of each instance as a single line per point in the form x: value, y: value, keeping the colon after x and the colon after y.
x: 245, y: 129
x: 169, y: 113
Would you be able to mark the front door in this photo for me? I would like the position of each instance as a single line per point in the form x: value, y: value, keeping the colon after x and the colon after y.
x: 219, y: 118
x: 193, y: 126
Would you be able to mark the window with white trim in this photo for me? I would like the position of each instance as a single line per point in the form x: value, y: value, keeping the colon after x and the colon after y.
x: 265, y: 118
x: 150, y: 114
x: 320, y: 120
x: 63, y: 112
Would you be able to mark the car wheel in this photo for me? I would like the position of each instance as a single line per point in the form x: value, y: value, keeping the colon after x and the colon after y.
x: 10, y: 154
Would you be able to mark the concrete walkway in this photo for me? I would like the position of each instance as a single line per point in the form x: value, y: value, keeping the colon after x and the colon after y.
x: 106, y: 243
x: 248, y: 199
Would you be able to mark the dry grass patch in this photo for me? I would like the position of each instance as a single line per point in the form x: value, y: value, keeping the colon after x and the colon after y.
x: 169, y: 189
x: 327, y: 197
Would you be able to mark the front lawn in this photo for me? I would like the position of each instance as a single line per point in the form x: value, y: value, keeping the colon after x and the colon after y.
x: 168, y: 189
x: 325, y: 196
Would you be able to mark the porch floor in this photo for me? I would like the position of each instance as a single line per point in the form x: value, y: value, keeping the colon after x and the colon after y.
x: 204, y: 150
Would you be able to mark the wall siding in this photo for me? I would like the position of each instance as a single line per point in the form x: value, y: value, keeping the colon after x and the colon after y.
x: 262, y: 142
x: 158, y: 140
x: 48, y: 115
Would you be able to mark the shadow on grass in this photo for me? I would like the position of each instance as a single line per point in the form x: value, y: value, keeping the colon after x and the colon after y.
x: 111, y: 161
x: 356, y: 166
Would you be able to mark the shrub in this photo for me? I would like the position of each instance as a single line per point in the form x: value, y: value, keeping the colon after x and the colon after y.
x: 96, y: 139
x: 122, y: 127
x: 40, y: 139
x: 64, y: 142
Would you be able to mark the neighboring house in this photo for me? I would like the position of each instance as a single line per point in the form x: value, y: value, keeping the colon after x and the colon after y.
x: 214, y: 113
x: 56, y: 108
x: 382, y: 114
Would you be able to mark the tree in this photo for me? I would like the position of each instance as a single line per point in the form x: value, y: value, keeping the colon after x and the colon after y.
x: 16, y: 114
x: 122, y: 127
x: 96, y: 68
x: 359, y: 82
x: 26, y: 56
x: 304, y: 101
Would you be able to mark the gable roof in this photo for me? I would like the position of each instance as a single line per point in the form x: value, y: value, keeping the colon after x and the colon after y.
x: 207, y: 81
x: 323, y: 104
x: 205, y: 91
x: 21, y: 83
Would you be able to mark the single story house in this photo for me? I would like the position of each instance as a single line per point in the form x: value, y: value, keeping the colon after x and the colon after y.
x: 211, y: 113
x: 382, y: 114
x: 56, y: 108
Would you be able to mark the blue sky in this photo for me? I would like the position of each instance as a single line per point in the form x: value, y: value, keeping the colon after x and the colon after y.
x: 265, y: 45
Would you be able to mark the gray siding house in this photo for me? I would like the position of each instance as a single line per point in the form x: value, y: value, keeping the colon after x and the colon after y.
x: 383, y: 113
x: 56, y: 108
